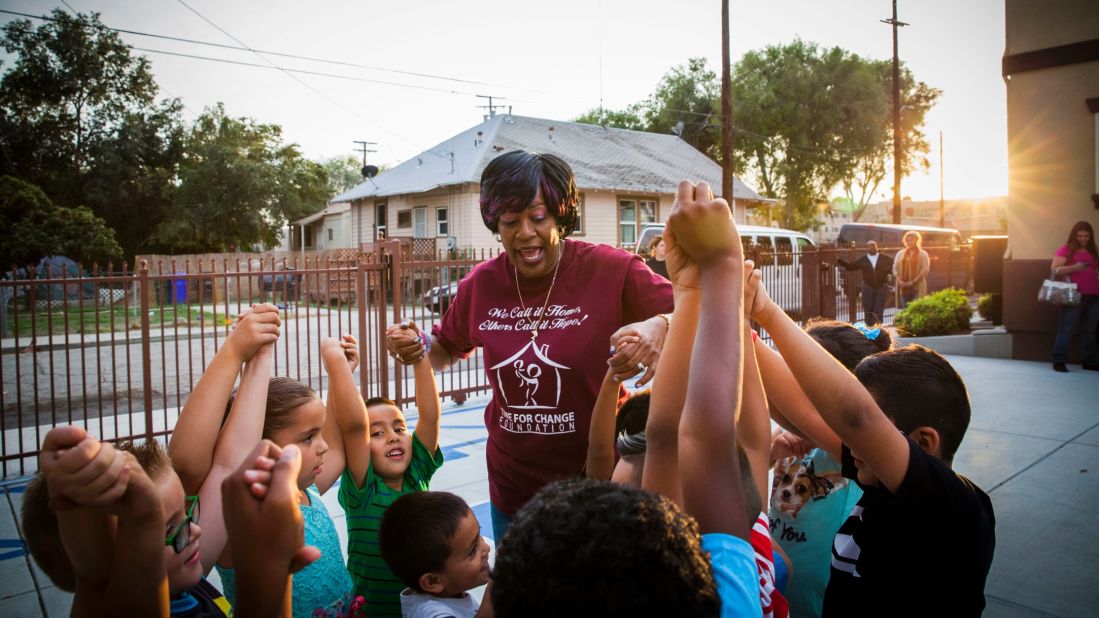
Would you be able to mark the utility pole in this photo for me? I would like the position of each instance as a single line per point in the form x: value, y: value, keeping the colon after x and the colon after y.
x: 365, y: 147
x: 896, y: 117
x: 491, y: 107
x: 942, y: 202
x: 726, y: 111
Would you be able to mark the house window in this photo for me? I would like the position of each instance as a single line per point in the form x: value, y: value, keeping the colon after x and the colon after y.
x: 381, y: 218
x: 442, y: 225
x: 404, y: 219
x: 329, y: 234
x: 419, y: 222
x: 633, y: 214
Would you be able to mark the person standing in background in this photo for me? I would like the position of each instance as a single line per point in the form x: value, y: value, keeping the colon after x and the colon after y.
x: 876, y: 269
x: 1076, y: 261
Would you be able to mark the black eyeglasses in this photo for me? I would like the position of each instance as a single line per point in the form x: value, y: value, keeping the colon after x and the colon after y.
x: 181, y: 536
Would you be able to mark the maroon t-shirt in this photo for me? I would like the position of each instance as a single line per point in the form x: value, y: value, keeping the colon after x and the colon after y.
x: 543, y: 391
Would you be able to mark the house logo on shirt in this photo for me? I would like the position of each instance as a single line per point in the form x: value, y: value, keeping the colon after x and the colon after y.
x: 530, y: 389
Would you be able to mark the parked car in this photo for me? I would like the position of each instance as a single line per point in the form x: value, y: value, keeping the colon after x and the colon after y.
x: 286, y: 281
x: 438, y: 298
x: 948, y: 252
x: 779, y: 258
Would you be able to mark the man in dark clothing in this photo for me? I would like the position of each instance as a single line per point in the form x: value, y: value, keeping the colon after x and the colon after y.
x: 876, y: 269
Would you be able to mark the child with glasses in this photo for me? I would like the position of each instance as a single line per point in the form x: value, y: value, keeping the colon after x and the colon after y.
x: 125, y: 535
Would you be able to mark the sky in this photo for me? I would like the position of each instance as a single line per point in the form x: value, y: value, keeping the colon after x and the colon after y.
x: 430, y: 58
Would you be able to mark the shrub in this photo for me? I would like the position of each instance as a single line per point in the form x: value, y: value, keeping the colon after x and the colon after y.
x: 942, y: 313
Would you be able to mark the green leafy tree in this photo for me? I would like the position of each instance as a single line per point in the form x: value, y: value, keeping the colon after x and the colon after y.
x: 344, y: 173
x: 629, y: 118
x: 875, y: 162
x: 79, y: 118
x: 684, y: 103
x: 808, y: 120
x: 239, y: 184
x: 35, y: 227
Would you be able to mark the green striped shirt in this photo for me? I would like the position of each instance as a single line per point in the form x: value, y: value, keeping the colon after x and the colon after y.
x: 364, y: 508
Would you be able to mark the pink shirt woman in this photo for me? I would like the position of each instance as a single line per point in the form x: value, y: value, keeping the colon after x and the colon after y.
x: 1077, y: 261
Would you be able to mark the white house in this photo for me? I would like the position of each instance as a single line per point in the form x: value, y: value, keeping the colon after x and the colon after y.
x: 626, y: 179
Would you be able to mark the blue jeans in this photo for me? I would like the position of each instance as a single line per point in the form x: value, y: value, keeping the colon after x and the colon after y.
x: 500, y: 523
x: 1088, y: 309
x: 906, y: 296
x: 873, y: 303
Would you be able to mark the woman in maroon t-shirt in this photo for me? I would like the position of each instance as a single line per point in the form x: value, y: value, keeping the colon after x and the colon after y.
x: 543, y: 313
x: 1077, y: 260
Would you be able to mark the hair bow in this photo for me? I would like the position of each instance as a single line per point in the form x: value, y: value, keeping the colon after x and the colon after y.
x: 871, y: 333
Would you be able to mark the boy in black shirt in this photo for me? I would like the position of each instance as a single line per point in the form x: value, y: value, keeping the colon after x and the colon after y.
x: 921, y: 539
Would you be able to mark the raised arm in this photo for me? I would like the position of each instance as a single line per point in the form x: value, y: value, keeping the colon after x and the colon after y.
x: 600, y: 461
x: 427, y: 398
x: 661, y: 472
x: 345, y: 407
x: 262, y: 513
x: 242, y: 431
x: 834, y: 391
x: 111, y: 523
x: 753, y: 425
x: 790, y: 402
x: 196, y: 432
x: 710, y: 471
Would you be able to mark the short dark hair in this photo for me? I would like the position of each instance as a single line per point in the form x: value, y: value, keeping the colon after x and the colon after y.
x: 581, y: 544
x: 916, y: 387
x: 846, y: 343
x: 376, y: 401
x: 510, y: 182
x: 415, y: 533
x: 43, y: 535
x: 633, y: 414
x: 150, y: 455
x: 284, y: 395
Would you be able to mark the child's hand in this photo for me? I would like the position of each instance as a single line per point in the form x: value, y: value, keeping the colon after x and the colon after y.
x: 350, y: 347
x: 81, y: 471
x: 142, y: 497
x: 682, y: 270
x: 760, y: 302
x: 255, y: 328
x: 785, y: 444
x: 703, y: 226
x: 267, y: 531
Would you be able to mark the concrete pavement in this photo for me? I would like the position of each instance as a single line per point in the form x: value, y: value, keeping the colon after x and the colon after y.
x: 1033, y: 445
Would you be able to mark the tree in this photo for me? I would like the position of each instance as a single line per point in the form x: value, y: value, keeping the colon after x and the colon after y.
x: 629, y: 118
x: 35, y: 228
x: 344, y: 173
x: 684, y: 103
x: 872, y: 165
x: 239, y: 184
x: 809, y: 120
x: 78, y: 118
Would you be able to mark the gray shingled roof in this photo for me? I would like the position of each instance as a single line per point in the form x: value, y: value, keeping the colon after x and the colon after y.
x: 602, y: 158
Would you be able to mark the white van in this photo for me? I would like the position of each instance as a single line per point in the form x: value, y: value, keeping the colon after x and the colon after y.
x: 779, y: 258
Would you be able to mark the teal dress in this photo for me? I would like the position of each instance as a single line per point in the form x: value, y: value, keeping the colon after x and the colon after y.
x: 322, y: 588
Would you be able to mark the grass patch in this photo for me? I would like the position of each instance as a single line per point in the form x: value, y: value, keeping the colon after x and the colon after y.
x: 74, y: 321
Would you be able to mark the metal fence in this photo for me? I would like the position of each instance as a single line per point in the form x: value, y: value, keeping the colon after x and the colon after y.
x: 117, y: 351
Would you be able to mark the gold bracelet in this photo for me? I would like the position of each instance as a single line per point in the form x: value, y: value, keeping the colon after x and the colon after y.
x: 666, y: 317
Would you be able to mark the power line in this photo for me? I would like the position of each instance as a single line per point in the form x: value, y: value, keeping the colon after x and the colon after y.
x: 287, y: 55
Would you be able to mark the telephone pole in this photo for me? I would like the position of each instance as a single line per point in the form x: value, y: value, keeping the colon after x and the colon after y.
x: 896, y: 117
x: 726, y: 112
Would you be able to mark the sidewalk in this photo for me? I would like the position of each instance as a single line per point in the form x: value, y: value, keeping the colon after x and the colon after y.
x: 1033, y: 445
